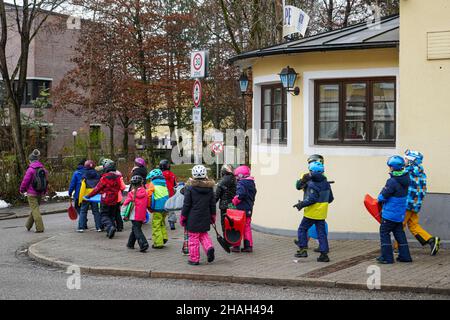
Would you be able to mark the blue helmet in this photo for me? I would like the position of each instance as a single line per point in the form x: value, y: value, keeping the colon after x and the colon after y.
x: 316, y: 167
x: 414, y: 156
x: 153, y: 174
x: 396, y: 162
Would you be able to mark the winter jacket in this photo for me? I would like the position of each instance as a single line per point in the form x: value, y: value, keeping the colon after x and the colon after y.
x: 158, y: 194
x: 141, y: 203
x: 75, y: 182
x: 139, y: 171
x: 89, y: 181
x: 246, y: 193
x: 318, y: 195
x: 199, y: 205
x: 226, y: 190
x: 393, y: 197
x: 417, y: 187
x: 109, y: 187
x: 171, y: 181
x: 27, y: 182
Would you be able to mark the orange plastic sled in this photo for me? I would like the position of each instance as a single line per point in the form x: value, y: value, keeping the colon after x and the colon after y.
x: 373, y: 207
x: 234, y: 226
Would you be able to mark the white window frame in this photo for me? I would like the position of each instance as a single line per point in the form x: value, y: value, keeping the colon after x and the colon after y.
x: 308, y: 109
x: 257, y: 146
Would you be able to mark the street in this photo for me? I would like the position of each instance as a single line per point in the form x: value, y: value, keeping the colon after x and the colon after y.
x: 22, y: 278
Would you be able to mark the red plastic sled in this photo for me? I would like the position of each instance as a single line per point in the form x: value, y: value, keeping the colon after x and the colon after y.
x: 234, y: 226
x: 373, y: 207
x: 73, y: 215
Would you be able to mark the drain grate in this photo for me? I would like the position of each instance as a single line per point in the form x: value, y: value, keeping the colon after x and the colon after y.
x: 341, y: 265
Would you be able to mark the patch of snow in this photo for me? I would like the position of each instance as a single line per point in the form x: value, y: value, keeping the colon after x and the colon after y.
x: 62, y: 194
x: 4, y: 204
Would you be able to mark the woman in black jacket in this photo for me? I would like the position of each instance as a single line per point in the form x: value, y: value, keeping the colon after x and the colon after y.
x: 225, y: 192
x: 198, y: 213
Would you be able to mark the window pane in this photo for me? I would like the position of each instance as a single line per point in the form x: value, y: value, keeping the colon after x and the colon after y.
x: 277, y: 99
x: 277, y: 131
x: 265, y: 133
x: 329, y: 112
x: 267, y: 115
x: 355, y: 111
x: 328, y: 130
x: 383, y: 111
x: 267, y: 96
x: 355, y: 131
x: 384, y: 91
x: 277, y: 113
x: 356, y: 92
x: 383, y: 131
x: 329, y: 93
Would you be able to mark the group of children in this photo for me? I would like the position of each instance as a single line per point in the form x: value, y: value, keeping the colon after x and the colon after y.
x: 401, y: 200
x: 149, y: 192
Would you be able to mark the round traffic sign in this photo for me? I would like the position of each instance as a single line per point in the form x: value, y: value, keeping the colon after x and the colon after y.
x: 198, y: 61
x: 217, y: 147
x: 197, y: 93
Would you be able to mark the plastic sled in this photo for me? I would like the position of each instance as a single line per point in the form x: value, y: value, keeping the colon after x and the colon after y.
x: 312, y: 232
x: 234, y: 226
x: 223, y: 243
x: 73, y: 215
x: 373, y: 207
x: 95, y: 199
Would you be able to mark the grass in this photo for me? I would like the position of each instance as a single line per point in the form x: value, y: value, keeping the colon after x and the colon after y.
x: 183, y: 171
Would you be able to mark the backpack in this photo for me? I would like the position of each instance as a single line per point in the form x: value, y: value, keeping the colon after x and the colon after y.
x: 40, y: 182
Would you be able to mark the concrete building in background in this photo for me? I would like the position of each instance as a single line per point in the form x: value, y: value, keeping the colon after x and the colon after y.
x: 49, y: 60
x: 366, y: 92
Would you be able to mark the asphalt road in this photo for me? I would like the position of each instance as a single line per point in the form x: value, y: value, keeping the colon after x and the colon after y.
x: 22, y: 278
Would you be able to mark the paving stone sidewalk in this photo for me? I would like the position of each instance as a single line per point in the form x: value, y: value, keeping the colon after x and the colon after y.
x: 24, y: 211
x: 272, y: 262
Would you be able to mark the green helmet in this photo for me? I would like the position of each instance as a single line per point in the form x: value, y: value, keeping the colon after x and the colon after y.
x: 104, y: 161
x: 154, y: 173
x: 109, y: 165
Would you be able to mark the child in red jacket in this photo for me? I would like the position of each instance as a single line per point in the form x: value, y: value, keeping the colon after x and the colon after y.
x: 109, y: 187
x: 171, y: 182
x: 139, y: 197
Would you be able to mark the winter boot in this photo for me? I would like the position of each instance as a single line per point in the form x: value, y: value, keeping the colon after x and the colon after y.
x: 435, y: 244
x: 144, y: 248
x: 210, y: 255
x: 111, y: 232
x: 301, y: 253
x: 323, y: 258
x: 192, y: 263
x: 381, y: 260
x: 247, y: 249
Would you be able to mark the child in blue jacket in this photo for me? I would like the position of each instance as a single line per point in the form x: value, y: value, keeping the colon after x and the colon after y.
x: 393, y: 198
x: 318, y: 195
x: 75, y: 184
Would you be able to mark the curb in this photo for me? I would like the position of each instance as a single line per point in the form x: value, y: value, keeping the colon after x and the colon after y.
x: 300, y: 282
x: 16, y: 216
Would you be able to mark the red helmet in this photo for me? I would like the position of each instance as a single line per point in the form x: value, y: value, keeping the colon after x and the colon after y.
x: 89, y: 164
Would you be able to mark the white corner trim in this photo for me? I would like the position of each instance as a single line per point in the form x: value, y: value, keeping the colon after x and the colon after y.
x: 308, y: 108
x: 258, y: 147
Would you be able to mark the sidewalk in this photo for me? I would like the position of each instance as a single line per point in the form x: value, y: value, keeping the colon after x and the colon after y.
x: 24, y: 211
x: 272, y: 262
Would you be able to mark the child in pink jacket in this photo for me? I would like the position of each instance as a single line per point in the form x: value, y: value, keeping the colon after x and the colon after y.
x: 138, y: 195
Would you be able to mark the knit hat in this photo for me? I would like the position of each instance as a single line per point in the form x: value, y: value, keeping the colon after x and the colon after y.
x: 34, y: 156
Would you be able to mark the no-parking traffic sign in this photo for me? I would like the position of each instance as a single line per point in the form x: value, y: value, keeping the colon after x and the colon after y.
x: 197, y: 93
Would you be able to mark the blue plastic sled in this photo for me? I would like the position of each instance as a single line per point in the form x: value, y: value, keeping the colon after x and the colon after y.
x: 95, y: 199
x: 312, y: 232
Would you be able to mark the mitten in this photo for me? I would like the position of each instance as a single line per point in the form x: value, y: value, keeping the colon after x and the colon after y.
x: 213, y: 219
x: 236, y: 201
x: 299, y: 205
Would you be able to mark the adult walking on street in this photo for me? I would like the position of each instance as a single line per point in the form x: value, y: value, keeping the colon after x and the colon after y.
x: 34, y: 184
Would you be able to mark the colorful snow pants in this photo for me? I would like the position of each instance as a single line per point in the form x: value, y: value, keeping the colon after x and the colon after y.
x: 412, y: 222
x: 195, y: 239
x: 159, y: 232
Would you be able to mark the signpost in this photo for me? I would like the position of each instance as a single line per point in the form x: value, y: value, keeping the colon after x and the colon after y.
x: 197, y: 93
x: 217, y: 148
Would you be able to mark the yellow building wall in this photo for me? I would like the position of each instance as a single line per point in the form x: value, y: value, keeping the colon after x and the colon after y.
x: 425, y: 89
x: 354, y: 175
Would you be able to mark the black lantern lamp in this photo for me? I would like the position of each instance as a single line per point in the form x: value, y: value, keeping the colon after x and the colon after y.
x: 243, y: 83
x: 288, y: 77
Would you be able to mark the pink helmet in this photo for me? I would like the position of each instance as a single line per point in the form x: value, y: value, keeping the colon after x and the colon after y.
x: 89, y: 164
x: 242, y: 172
x: 139, y: 162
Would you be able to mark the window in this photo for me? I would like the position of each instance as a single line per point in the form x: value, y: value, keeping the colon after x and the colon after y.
x: 273, y: 114
x: 355, y: 112
x: 32, y: 91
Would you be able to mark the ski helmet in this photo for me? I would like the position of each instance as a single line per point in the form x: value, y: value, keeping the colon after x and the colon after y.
x: 316, y: 167
x: 199, y: 172
x: 164, y: 165
x: 136, y: 180
x: 414, y: 156
x: 104, y: 161
x: 154, y: 173
x: 316, y: 157
x: 242, y: 172
x: 227, y: 169
x: 109, y: 165
x: 140, y: 162
x: 89, y: 164
x: 396, y: 162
